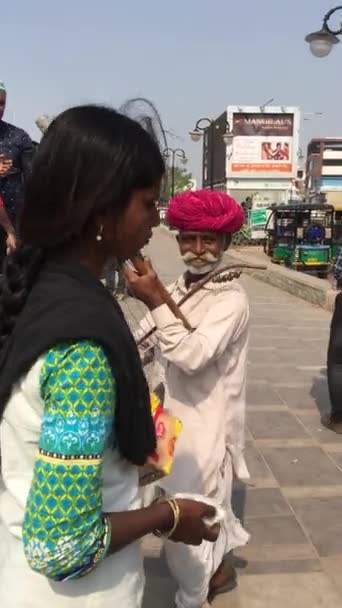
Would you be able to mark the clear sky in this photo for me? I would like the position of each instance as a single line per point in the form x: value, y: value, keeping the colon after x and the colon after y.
x: 191, y: 57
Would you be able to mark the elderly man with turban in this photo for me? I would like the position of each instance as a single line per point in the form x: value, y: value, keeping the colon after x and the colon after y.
x: 204, y: 372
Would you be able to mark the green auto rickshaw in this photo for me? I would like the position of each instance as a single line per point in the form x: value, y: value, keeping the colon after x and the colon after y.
x: 299, y: 235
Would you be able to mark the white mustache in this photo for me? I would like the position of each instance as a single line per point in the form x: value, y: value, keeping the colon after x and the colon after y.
x: 200, y: 264
x: 205, y: 258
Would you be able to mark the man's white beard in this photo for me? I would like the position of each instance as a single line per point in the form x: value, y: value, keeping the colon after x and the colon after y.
x: 201, y: 265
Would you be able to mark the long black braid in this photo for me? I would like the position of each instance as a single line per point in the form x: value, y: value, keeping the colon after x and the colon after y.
x: 19, y: 272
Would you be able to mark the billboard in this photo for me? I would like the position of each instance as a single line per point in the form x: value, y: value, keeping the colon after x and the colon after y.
x: 265, y: 143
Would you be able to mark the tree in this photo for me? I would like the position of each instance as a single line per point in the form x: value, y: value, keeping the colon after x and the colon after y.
x: 182, y: 181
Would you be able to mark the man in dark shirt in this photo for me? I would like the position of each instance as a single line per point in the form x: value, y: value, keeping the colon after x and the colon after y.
x: 338, y: 269
x: 16, y: 152
x: 334, y: 420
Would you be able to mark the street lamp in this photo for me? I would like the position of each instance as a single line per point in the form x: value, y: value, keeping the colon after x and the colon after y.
x: 197, y: 133
x: 322, y: 41
x: 174, y: 153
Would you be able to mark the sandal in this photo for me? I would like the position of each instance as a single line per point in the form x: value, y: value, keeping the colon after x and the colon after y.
x: 223, y: 581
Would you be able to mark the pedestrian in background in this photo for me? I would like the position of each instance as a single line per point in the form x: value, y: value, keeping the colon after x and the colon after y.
x: 8, y: 228
x: 338, y: 270
x: 16, y: 152
x: 333, y: 421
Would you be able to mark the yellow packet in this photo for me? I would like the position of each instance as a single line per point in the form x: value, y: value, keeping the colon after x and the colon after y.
x: 168, y: 428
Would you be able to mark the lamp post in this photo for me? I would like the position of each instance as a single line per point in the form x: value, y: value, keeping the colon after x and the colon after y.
x: 174, y: 153
x: 322, y: 41
x: 196, y: 135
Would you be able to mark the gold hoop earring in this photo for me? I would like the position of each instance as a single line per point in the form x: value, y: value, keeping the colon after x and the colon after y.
x: 99, y: 235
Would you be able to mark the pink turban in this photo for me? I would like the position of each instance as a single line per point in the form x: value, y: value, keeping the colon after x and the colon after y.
x: 205, y: 211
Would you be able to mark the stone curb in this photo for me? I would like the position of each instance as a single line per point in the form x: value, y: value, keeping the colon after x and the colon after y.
x: 313, y: 290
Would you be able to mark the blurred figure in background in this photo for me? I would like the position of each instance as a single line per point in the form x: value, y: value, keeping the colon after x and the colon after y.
x: 8, y: 228
x: 333, y: 421
x: 16, y: 152
x: 338, y: 270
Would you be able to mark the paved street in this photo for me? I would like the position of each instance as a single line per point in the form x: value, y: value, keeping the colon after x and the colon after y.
x: 293, y: 504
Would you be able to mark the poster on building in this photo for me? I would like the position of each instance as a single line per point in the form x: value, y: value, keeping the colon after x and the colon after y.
x: 259, y: 215
x: 263, y: 144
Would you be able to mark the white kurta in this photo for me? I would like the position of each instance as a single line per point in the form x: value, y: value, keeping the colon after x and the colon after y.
x: 205, y: 379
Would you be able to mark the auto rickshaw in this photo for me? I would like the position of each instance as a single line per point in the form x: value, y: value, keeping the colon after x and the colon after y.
x: 299, y: 235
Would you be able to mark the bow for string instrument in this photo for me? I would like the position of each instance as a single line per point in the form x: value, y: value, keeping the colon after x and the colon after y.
x: 224, y: 274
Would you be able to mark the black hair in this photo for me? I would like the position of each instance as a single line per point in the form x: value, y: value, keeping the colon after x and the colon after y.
x: 90, y: 159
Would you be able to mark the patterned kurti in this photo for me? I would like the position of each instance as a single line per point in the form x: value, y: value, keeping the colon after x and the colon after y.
x: 17, y: 146
x: 62, y: 471
x: 64, y: 531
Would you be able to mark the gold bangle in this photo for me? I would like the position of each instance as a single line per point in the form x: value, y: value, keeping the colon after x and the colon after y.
x: 176, y: 516
x: 176, y: 513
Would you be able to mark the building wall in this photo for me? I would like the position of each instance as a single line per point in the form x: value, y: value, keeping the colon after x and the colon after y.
x: 324, y: 166
x: 334, y: 154
x: 214, y: 164
x: 332, y: 171
x: 266, y: 197
x: 332, y: 168
x: 334, y: 198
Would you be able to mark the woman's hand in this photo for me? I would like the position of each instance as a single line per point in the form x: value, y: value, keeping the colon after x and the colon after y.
x: 191, y: 529
x: 129, y: 526
x: 145, y: 287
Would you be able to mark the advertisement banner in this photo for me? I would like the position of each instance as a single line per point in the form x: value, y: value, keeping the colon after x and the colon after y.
x: 259, y: 215
x: 263, y: 143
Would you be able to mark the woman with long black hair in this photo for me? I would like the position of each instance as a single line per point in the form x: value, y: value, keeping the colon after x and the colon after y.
x: 75, y: 406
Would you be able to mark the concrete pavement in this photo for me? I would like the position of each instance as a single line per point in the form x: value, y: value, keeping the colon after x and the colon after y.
x: 303, y: 285
x: 293, y: 504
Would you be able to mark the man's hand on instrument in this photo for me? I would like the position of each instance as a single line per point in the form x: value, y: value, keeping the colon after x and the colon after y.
x: 5, y: 165
x: 144, y: 287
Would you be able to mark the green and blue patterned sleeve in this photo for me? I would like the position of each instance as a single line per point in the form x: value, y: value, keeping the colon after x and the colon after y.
x: 65, y: 534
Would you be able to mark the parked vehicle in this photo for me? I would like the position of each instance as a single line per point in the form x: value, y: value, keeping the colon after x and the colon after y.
x: 300, y: 235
